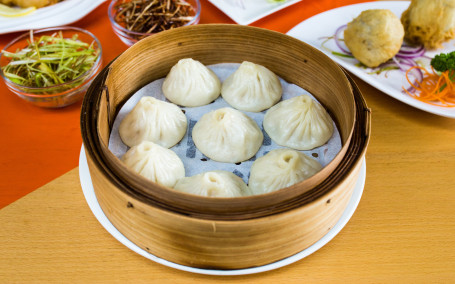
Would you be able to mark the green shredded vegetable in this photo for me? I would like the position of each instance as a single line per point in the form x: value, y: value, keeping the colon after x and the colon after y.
x: 332, y: 51
x: 50, y: 60
x: 342, y: 54
x: 379, y: 70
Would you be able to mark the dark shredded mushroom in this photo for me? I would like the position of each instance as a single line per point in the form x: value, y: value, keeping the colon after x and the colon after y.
x: 152, y: 16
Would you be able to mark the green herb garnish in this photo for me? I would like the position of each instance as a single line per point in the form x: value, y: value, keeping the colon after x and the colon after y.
x: 342, y: 54
x: 443, y: 62
x: 50, y: 60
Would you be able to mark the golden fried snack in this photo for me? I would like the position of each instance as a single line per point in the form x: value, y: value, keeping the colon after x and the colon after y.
x: 429, y: 22
x: 29, y: 3
x: 374, y: 36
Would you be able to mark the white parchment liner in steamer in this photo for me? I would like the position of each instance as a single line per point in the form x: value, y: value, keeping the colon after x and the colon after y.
x: 193, y: 160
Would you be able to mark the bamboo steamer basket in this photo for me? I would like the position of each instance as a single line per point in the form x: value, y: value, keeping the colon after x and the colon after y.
x: 223, y: 233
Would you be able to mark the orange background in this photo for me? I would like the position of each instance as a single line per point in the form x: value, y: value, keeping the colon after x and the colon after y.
x: 38, y: 145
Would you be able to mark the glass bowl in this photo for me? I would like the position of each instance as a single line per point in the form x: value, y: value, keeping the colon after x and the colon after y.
x: 131, y: 37
x: 58, y: 95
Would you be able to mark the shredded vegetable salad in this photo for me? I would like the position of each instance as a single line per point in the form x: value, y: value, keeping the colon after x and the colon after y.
x: 435, y: 87
x: 49, y: 60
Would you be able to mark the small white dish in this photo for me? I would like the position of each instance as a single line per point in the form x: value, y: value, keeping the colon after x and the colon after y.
x: 314, y: 29
x: 244, y: 12
x: 62, y: 13
x: 89, y: 193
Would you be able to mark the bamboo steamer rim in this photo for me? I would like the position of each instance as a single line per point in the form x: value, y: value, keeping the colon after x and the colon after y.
x: 355, y: 138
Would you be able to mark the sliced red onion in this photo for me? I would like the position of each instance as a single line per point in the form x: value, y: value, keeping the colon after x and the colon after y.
x: 410, y: 55
x: 408, y: 49
x: 399, y: 64
x: 410, y: 89
x: 404, y: 65
x: 408, y: 61
x: 337, y: 39
x: 418, y: 74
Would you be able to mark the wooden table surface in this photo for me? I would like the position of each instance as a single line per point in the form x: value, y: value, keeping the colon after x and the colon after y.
x: 402, y: 231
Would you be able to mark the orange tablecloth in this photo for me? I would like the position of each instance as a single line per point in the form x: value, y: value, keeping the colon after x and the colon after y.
x: 39, y: 144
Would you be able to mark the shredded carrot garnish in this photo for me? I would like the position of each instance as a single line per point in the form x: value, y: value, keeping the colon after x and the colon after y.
x: 434, y: 89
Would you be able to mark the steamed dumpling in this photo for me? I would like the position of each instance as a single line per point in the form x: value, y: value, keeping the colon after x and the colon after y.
x: 300, y: 123
x: 213, y: 184
x: 227, y: 135
x: 190, y: 83
x: 280, y: 168
x: 153, y: 120
x: 154, y: 162
x: 251, y: 87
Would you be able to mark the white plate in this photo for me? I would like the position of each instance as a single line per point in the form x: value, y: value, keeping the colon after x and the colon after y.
x: 244, y: 12
x: 313, y: 29
x: 62, y: 13
x: 89, y: 193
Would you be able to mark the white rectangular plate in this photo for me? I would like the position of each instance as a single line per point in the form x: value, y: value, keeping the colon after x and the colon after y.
x: 251, y: 11
x: 314, y: 29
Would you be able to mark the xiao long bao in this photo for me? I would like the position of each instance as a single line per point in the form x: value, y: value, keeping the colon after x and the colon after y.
x: 252, y: 87
x: 153, y: 120
x: 190, y: 83
x: 227, y: 135
x: 155, y: 163
x: 280, y: 168
x: 213, y: 184
x: 299, y: 123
